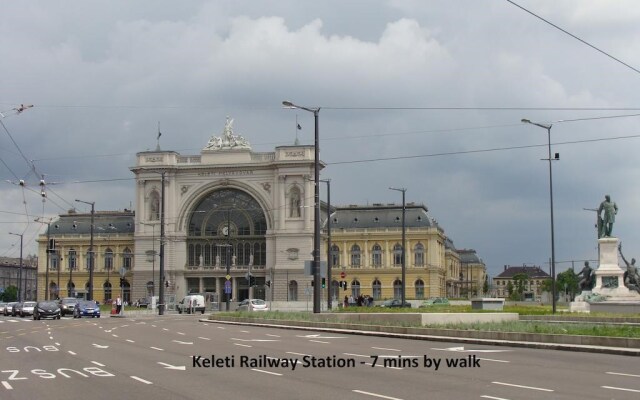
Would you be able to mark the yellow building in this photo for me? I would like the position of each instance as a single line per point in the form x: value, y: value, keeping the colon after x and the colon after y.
x: 65, y: 269
x: 473, y: 274
x: 367, y: 250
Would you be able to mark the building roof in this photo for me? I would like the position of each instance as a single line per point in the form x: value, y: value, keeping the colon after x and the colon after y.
x: 469, y: 256
x: 532, y: 272
x: 381, y: 216
x: 117, y: 222
x: 30, y: 262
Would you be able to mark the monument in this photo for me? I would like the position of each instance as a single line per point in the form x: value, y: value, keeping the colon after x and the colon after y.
x: 615, y: 289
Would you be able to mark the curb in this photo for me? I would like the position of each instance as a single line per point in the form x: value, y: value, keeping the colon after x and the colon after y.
x: 505, y: 338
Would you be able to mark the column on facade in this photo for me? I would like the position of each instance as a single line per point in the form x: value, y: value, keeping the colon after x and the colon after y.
x: 309, y: 201
x: 365, y: 262
x: 281, y: 202
x: 345, y: 254
x: 387, y: 255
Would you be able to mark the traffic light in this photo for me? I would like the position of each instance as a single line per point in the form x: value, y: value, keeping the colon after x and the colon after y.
x: 166, y: 284
x: 268, y: 283
x: 313, y: 283
x: 121, y: 282
x: 343, y: 285
x: 324, y: 283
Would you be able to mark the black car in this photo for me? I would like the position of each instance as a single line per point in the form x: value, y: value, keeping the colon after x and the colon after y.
x: 67, y: 305
x: 16, y: 309
x: 46, y: 309
x: 395, y: 303
x: 86, y: 308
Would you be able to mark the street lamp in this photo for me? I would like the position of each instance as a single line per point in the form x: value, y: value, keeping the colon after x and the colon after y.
x: 91, y: 258
x: 553, y: 250
x: 317, y: 289
x: 404, y: 269
x: 20, y: 271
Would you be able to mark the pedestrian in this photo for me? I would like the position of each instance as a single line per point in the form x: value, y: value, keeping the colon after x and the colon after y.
x: 346, y: 302
x: 118, y: 305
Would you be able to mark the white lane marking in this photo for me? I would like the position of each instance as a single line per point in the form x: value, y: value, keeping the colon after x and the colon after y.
x: 357, y: 355
x: 255, y: 340
x: 154, y: 326
x: 319, y: 341
x: 179, y: 342
x: 623, y: 389
x: 180, y: 333
x: 203, y: 338
x: 6, y: 385
x: 494, y: 360
x: 157, y: 348
x: 101, y: 346
x: 115, y: 335
x: 245, y: 331
x: 461, y: 349
x: 71, y: 352
x: 141, y: 380
x: 268, y: 334
x: 493, y: 398
x: 130, y: 341
x: 297, y: 354
x: 620, y: 373
x: 382, y: 348
x: 169, y: 366
x: 243, y: 345
x: 221, y: 327
x: 376, y: 395
x: 57, y: 344
x: 50, y: 337
x: 266, y: 372
x: 98, y: 364
x: 165, y: 329
x: 318, y: 336
x: 124, y: 326
x: 523, y: 387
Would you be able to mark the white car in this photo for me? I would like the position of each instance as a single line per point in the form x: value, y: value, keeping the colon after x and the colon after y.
x: 253, y: 305
x: 27, y: 308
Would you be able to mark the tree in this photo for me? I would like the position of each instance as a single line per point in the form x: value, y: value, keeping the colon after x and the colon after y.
x: 509, y: 288
x: 485, y: 287
x: 10, y: 294
x: 520, y: 282
x: 567, y: 282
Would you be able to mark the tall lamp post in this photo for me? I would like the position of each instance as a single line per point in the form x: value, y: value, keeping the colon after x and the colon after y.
x: 91, y: 258
x: 553, y: 250
x: 20, y: 271
x: 317, y: 289
x: 404, y: 268
x: 162, y: 280
x: 328, y: 182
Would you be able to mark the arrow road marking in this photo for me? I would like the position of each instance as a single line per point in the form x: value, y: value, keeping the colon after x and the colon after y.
x: 169, y: 366
x: 100, y: 346
x: 461, y: 349
x: 321, y: 337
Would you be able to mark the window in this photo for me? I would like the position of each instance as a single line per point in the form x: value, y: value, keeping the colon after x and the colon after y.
x: 335, y: 256
x: 72, y: 260
x: 107, y: 290
x: 377, y: 290
x: 355, y: 288
x: 293, y: 291
x: 376, y: 256
x: 419, y: 289
x: 397, y: 255
x: 127, y: 259
x: 418, y: 252
x: 397, y: 289
x: 55, y: 261
x: 108, y: 259
x: 355, y: 255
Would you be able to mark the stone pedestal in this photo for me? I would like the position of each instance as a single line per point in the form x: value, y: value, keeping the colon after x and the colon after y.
x: 609, y: 275
x: 580, y: 304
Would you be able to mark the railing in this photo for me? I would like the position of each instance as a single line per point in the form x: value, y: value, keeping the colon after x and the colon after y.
x: 189, y: 159
x: 263, y: 156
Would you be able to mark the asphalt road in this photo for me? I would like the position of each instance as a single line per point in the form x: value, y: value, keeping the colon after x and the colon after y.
x: 178, y: 357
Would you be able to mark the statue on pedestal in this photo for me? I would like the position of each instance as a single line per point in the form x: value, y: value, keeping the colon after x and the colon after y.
x: 631, y: 276
x: 587, y: 282
x: 606, y: 217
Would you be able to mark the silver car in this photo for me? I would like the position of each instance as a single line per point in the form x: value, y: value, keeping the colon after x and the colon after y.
x: 8, y: 307
x: 27, y: 308
x: 253, y: 305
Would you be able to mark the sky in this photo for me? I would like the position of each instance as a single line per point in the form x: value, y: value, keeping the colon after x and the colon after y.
x: 424, y: 95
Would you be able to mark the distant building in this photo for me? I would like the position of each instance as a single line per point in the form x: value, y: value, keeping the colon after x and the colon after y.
x: 473, y: 273
x: 10, y: 275
x: 533, y: 287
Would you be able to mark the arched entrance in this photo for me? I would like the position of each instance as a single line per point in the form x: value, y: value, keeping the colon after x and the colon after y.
x: 226, y: 236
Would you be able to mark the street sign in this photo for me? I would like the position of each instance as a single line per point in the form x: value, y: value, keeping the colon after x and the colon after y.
x: 343, y: 275
x: 227, y: 284
x: 228, y: 277
x: 227, y: 289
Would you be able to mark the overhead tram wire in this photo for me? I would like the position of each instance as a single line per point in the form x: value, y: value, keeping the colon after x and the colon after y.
x: 575, y: 37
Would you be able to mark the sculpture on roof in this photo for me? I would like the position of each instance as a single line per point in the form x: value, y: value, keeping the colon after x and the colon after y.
x: 228, y: 140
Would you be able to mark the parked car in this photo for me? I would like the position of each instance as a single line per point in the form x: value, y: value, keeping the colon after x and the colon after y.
x: 86, y: 308
x: 27, y: 308
x: 8, y: 308
x: 253, y: 305
x: 190, y: 302
x: 46, y: 309
x: 15, y: 310
x: 395, y: 303
x: 435, y: 301
x: 67, y: 305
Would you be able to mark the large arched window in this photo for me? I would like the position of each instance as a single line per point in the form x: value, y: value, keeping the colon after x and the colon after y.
x: 293, y: 291
x: 335, y: 256
x: 418, y: 255
x: 397, y: 255
x: 107, y: 291
x: 355, y: 256
x: 376, y: 256
x: 108, y: 259
x: 355, y: 288
x: 419, y: 289
x: 227, y: 217
x: 397, y: 289
x: 377, y: 289
x: 72, y: 260
x: 127, y: 259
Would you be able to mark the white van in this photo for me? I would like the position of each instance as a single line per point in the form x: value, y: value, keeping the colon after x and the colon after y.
x: 191, y: 303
